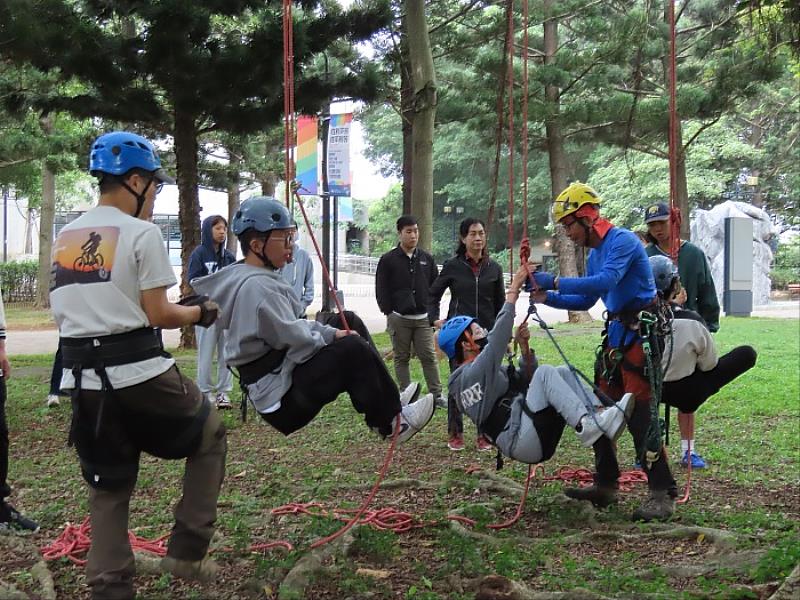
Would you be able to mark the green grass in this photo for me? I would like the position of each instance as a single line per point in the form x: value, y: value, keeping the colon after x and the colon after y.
x: 748, y: 433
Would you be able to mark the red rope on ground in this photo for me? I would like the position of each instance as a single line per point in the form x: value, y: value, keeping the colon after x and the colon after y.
x: 374, y: 490
x: 531, y: 474
x: 75, y: 541
x: 584, y: 477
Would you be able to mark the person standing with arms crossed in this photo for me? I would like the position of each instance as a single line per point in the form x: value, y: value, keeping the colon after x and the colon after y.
x: 402, y: 283
x: 700, y: 297
x: 128, y: 396
x: 475, y: 282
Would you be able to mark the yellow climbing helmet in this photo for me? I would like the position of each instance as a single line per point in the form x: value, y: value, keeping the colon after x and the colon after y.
x: 574, y: 196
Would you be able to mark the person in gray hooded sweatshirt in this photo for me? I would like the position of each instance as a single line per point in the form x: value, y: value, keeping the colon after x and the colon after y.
x: 523, y: 415
x: 209, y: 257
x: 291, y: 367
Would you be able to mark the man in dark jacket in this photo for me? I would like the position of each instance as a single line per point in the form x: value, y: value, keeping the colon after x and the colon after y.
x: 209, y: 257
x: 402, y: 283
x: 475, y: 282
x: 701, y: 297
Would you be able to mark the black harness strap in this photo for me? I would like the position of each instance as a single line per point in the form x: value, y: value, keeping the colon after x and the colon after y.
x: 251, y: 372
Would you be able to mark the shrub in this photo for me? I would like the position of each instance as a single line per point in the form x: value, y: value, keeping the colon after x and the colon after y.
x: 786, y: 268
x: 18, y: 281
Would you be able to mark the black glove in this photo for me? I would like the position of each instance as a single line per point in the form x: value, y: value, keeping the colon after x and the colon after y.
x: 209, y: 310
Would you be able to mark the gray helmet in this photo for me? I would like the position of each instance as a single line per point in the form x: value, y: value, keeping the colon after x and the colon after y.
x: 262, y: 213
x: 664, y: 272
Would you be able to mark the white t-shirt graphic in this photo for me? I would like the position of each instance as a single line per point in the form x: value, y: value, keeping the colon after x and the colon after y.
x: 102, y: 262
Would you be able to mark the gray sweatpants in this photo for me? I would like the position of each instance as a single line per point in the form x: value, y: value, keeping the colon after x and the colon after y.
x: 551, y: 387
x: 211, y: 341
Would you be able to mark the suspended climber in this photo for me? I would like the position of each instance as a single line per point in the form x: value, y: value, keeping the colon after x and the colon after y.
x: 523, y: 412
x: 693, y: 372
x: 618, y: 272
x: 289, y: 367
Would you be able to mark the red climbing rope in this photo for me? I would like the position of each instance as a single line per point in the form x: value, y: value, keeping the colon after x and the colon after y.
x: 74, y: 542
x: 531, y: 474
x: 289, y: 126
x: 584, y: 477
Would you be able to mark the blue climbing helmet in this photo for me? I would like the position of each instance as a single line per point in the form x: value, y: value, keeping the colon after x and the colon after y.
x: 451, y: 331
x: 664, y: 272
x: 118, y: 152
x: 262, y: 213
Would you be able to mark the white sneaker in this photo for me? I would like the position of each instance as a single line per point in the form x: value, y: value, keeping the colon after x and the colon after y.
x: 441, y: 401
x: 414, y: 417
x: 223, y: 401
x: 53, y: 400
x: 410, y: 394
x: 610, y: 422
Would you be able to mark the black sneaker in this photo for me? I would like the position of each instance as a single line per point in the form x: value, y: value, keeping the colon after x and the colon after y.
x: 12, y: 520
x: 599, y: 495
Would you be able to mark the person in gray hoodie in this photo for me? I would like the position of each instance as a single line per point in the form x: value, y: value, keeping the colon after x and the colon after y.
x: 209, y: 257
x: 522, y: 412
x: 289, y: 367
x: 299, y: 272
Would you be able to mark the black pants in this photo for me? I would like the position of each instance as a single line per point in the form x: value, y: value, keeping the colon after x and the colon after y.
x: 347, y: 365
x: 5, y: 489
x: 689, y: 393
x: 455, y: 420
x: 353, y: 320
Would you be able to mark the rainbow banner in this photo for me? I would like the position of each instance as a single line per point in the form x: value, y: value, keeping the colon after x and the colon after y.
x: 339, y: 155
x: 307, y: 155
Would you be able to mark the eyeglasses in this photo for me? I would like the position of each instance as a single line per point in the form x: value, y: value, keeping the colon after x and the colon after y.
x: 287, y: 239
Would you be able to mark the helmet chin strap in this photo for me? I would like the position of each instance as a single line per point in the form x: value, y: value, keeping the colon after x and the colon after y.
x: 140, y: 198
x: 267, y: 262
x: 472, y: 346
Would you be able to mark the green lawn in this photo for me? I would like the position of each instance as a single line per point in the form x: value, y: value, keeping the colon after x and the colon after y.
x: 749, y: 433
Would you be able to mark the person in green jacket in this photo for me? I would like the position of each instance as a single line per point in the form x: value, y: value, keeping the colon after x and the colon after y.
x: 700, y: 296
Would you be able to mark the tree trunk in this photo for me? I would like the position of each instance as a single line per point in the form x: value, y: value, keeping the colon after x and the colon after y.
x: 423, y: 80
x: 233, y: 196
x: 30, y: 218
x: 756, y: 135
x: 268, y: 184
x: 557, y: 158
x: 188, y: 202
x: 681, y: 187
x: 407, y: 116
x: 47, y: 216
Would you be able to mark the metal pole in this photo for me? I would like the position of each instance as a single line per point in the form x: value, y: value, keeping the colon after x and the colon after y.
x: 326, y: 210
x: 5, y: 224
x: 335, y: 234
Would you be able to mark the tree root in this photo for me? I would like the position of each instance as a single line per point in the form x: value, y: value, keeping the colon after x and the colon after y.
x: 496, y: 587
x: 723, y: 541
x: 47, y: 587
x: 9, y: 592
x: 299, y: 577
x: 392, y: 484
x: 790, y: 588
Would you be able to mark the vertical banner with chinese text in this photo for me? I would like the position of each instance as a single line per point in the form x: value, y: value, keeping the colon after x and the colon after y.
x: 339, y: 155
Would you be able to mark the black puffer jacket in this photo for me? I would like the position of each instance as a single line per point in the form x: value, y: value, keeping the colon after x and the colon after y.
x: 480, y: 296
x: 402, y: 283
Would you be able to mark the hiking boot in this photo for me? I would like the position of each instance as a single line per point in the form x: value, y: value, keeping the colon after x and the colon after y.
x: 196, y: 570
x: 53, y: 400
x: 456, y: 442
x: 697, y: 460
x: 410, y: 394
x: 609, y: 422
x: 223, y: 401
x: 483, y: 444
x: 658, y: 507
x: 599, y: 495
x: 414, y: 417
x: 12, y: 520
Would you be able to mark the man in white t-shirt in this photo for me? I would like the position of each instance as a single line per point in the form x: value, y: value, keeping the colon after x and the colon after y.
x: 110, y: 276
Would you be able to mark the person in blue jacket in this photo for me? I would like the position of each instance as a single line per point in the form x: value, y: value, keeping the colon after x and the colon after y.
x: 209, y: 257
x: 619, y: 273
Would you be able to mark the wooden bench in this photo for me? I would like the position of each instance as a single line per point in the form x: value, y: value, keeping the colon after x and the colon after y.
x: 794, y: 289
